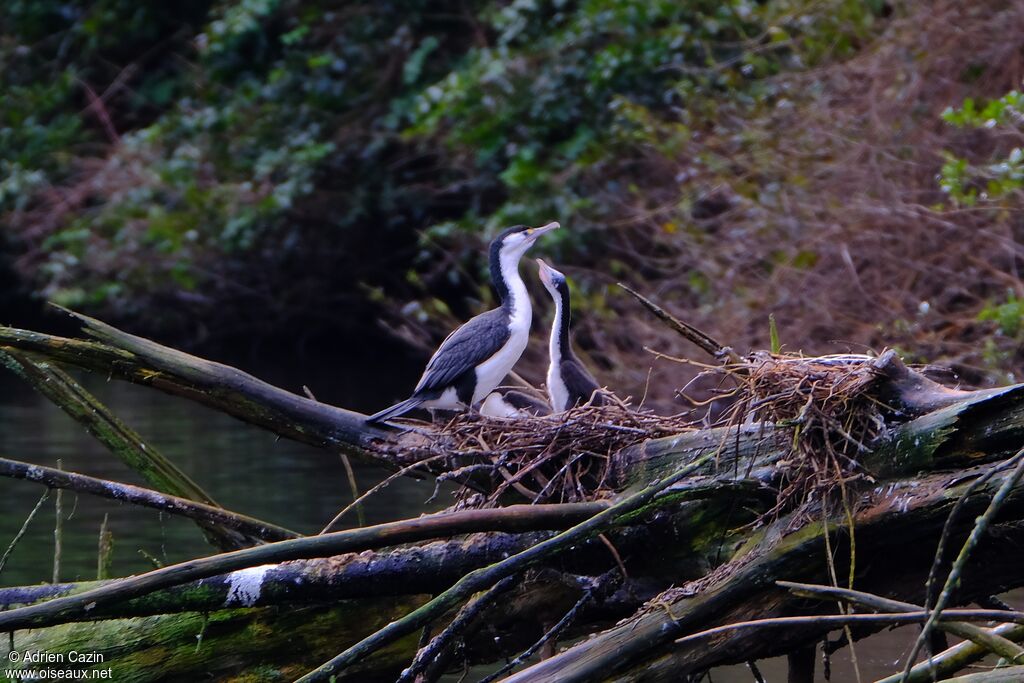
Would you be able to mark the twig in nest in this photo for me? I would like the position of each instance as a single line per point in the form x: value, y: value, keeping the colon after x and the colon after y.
x: 831, y: 405
x: 563, y: 457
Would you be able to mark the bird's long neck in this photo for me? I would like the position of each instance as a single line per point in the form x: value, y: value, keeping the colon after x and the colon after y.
x: 558, y: 346
x: 509, y: 284
x: 559, y: 350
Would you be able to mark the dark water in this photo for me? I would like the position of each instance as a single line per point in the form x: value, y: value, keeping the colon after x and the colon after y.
x: 243, y: 468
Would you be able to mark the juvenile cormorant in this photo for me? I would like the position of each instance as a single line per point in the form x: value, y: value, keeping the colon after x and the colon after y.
x: 513, y: 403
x: 569, y: 382
x: 474, y: 358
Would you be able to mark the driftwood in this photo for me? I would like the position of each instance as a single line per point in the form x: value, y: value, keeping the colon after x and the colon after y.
x: 686, y: 538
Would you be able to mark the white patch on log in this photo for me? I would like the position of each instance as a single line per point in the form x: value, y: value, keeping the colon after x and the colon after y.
x: 246, y: 585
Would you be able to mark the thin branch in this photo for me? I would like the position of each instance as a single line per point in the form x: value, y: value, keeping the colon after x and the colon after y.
x: 979, y: 530
x: 688, y: 331
x: 436, y: 648
x: 514, y: 518
x: 58, y: 530
x: 350, y: 474
x: 956, y: 658
x: 23, y: 529
x: 481, y: 578
x: 104, y: 551
x: 355, y: 504
x: 136, y: 495
x: 984, y: 637
x: 839, y: 620
x: 551, y: 634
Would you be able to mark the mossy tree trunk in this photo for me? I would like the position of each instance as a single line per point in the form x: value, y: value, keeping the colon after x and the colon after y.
x: 691, y: 553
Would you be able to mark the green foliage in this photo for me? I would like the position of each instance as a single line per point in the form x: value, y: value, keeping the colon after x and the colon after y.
x: 276, y: 130
x: 1006, y: 109
x: 1007, y: 315
x: 1002, y: 174
x: 566, y: 90
x: 1000, y: 348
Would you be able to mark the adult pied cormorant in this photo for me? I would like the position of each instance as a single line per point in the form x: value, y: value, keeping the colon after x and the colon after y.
x: 569, y: 382
x: 474, y: 358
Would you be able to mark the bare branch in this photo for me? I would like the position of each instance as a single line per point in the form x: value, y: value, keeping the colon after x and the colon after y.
x: 136, y: 495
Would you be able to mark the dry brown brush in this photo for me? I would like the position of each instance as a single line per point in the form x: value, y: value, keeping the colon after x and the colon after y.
x: 823, y: 207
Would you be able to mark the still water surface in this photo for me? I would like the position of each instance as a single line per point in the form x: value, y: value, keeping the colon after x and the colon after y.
x: 243, y: 468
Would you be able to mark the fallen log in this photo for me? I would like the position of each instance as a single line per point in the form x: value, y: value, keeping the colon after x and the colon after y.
x: 229, y: 645
x: 883, y: 474
x: 75, y: 606
x: 121, y: 440
x: 308, y: 587
x: 422, y: 568
x: 900, y: 522
x: 133, y: 359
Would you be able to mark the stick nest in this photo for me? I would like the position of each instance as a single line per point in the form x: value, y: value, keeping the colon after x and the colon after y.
x: 830, y: 403
x: 552, y: 459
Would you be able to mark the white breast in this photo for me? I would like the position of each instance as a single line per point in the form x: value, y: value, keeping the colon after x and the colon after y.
x: 492, y: 371
x: 557, y: 391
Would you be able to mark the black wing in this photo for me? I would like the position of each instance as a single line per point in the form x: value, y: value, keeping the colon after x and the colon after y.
x: 464, y: 349
x: 580, y: 384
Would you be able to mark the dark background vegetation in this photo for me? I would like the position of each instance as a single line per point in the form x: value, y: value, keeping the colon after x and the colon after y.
x: 275, y: 179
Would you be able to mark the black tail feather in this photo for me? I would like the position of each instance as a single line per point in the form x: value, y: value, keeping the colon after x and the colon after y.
x: 396, y: 410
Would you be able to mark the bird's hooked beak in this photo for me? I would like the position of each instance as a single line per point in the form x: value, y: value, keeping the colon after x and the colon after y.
x: 534, y: 233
